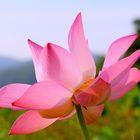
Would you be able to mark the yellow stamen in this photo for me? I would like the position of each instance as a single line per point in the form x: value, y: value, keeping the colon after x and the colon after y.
x: 84, y: 86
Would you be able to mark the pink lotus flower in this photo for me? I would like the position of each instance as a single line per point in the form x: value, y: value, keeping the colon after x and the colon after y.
x: 68, y: 78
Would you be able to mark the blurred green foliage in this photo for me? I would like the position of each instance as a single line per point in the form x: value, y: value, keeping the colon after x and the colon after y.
x: 120, y: 121
x: 136, y: 45
x: 137, y: 25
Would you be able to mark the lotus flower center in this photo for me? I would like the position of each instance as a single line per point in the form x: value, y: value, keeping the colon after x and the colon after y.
x: 82, y: 88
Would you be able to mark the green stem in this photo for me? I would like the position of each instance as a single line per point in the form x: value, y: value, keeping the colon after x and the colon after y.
x: 82, y: 121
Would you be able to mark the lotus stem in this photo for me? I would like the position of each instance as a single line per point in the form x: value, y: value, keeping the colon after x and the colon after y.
x: 82, y: 122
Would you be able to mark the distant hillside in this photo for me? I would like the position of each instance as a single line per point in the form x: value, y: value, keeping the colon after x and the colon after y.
x: 96, y: 57
x: 6, y: 62
x: 20, y: 72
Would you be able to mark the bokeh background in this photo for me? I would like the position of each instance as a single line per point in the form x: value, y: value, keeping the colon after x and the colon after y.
x: 49, y: 21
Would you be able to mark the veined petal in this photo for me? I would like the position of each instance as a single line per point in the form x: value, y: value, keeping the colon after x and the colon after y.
x: 60, y: 66
x: 30, y: 122
x: 96, y: 94
x: 92, y: 114
x: 127, y: 83
x: 79, y: 48
x: 115, y: 72
x: 36, y: 52
x: 117, y: 49
x: 10, y: 93
x: 49, y: 96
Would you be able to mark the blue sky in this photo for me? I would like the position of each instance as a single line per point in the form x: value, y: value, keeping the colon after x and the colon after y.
x: 49, y: 21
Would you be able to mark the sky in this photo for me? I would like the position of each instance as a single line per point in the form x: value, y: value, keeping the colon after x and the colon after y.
x: 49, y: 21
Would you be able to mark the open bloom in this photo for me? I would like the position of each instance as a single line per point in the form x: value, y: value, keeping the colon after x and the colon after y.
x: 65, y: 78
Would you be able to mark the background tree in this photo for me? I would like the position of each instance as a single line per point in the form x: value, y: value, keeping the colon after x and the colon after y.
x: 136, y: 44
